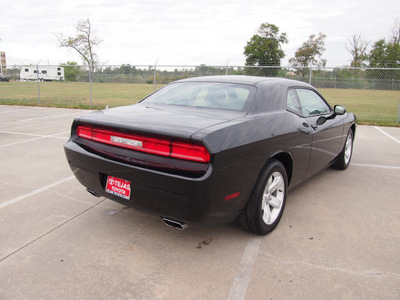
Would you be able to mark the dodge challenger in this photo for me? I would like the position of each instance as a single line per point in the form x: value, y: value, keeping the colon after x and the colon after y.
x: 209, y: 150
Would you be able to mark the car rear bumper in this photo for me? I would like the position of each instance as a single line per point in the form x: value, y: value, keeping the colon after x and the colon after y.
x: 195, y: 201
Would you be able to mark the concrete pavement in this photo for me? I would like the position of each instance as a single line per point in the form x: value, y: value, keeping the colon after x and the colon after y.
x: 338, y: 238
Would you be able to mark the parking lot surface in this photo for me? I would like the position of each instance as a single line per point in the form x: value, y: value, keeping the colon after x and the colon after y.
x: 338, y: 238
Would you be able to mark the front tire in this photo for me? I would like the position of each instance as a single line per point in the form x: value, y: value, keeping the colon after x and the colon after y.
x: 267, y: 202
x: 344, y: 158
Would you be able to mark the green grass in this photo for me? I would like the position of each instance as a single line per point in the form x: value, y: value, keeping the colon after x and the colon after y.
x: 370, y: 106
x: 73, y: 94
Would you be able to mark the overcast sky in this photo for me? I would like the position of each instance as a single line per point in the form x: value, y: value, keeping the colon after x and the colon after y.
x: 212, y: 32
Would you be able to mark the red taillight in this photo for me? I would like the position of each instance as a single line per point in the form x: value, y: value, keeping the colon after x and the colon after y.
x: 186, y: 151
x: 190, y: 152
x: 84, y: 132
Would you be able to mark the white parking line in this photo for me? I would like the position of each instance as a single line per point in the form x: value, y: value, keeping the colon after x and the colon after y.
x: 375, y: 166
x: 242, y: 279
x: 8, y: 111
x: 38, y: 137
x: 39, y: 118
x: 387, y: 134
x: 17, y: 199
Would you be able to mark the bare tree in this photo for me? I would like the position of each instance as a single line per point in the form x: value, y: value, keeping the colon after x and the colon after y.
x: 396, y: 32
x: 357, y: 49
x: 84, y: 42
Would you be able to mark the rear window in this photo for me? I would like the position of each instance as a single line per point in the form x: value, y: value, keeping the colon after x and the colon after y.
x: 205, y: 95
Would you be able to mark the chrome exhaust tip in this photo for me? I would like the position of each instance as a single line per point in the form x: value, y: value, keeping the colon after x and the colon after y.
x: 92, y: 192
x: 175, y: 224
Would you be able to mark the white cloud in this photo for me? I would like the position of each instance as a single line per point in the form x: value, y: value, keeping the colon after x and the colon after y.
x: 185, y: 32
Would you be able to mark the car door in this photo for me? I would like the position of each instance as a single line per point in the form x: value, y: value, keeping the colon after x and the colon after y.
x: 326, y: 138
x: 301, y: 140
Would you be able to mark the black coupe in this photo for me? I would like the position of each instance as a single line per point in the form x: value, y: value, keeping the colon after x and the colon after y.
x: 209, y: 150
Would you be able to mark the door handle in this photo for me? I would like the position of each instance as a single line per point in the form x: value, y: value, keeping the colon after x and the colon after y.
x: 305, y: 127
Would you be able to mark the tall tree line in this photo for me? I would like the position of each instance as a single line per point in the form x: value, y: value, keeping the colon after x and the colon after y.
x: 265, y: 49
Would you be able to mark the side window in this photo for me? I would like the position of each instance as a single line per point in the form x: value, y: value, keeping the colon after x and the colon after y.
x: 292, y: 102
x: 311, y: 103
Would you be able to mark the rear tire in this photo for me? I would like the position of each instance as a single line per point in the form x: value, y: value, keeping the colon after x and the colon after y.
x: 267, y: 202
x: 344, y: 158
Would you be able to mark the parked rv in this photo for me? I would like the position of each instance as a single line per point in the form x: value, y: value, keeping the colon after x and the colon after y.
x: 43, y: 73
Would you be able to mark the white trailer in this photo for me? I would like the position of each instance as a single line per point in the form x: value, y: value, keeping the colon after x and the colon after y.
x: 43, y: 73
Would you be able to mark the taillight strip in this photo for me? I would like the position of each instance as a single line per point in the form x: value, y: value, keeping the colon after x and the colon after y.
x: 180, y: 150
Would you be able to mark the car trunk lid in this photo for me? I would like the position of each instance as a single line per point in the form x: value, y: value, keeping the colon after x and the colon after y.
x: 162, y: 120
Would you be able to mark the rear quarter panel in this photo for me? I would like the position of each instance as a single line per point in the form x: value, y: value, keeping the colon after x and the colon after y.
x: 242, y: 148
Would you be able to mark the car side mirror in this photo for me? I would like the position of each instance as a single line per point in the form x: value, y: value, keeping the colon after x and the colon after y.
x: 339, y: 110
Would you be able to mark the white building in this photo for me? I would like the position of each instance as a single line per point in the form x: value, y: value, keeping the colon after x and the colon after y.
x: 3, y: 63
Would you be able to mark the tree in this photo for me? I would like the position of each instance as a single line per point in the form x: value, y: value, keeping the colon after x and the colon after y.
x: 84, y: 42
x: 265, y: 49
x: 386, y: 54
x: 309, y: 54
x: 71, y: 70
x: 127, y: 69
x: 357, y: 49
x: 396, y: 31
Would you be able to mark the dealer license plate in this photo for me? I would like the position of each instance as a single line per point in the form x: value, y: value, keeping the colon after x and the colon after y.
x: 118, y: 187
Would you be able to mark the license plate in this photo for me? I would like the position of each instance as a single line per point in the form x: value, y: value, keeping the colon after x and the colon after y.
x: 118, y: 187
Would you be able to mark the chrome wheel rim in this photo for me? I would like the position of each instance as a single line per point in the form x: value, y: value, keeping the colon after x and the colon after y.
x: 348, y: 148
x: 273, y: 197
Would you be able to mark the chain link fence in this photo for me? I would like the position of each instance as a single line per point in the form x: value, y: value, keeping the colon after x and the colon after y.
x: 329, y: 77
x: 373, y: 93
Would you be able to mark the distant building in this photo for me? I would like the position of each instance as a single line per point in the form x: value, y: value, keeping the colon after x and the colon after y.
x: 3, y: 64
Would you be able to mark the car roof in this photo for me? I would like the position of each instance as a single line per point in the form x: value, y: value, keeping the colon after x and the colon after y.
x: 242, y: 79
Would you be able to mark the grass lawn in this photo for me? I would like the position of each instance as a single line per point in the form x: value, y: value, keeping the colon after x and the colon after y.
x: 73, y: 94
x: 370, y: 106
x: 373, y: 107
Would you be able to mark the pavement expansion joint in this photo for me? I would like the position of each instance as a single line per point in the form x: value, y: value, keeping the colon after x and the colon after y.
x: 335, y: 269
x: 50, y: 231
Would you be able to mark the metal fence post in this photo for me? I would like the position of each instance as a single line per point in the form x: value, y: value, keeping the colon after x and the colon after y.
x: 310, y: 75
x: 398, y: 114
x: 90, y: 83
x: 155, y: 75
x: 37, y: 79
